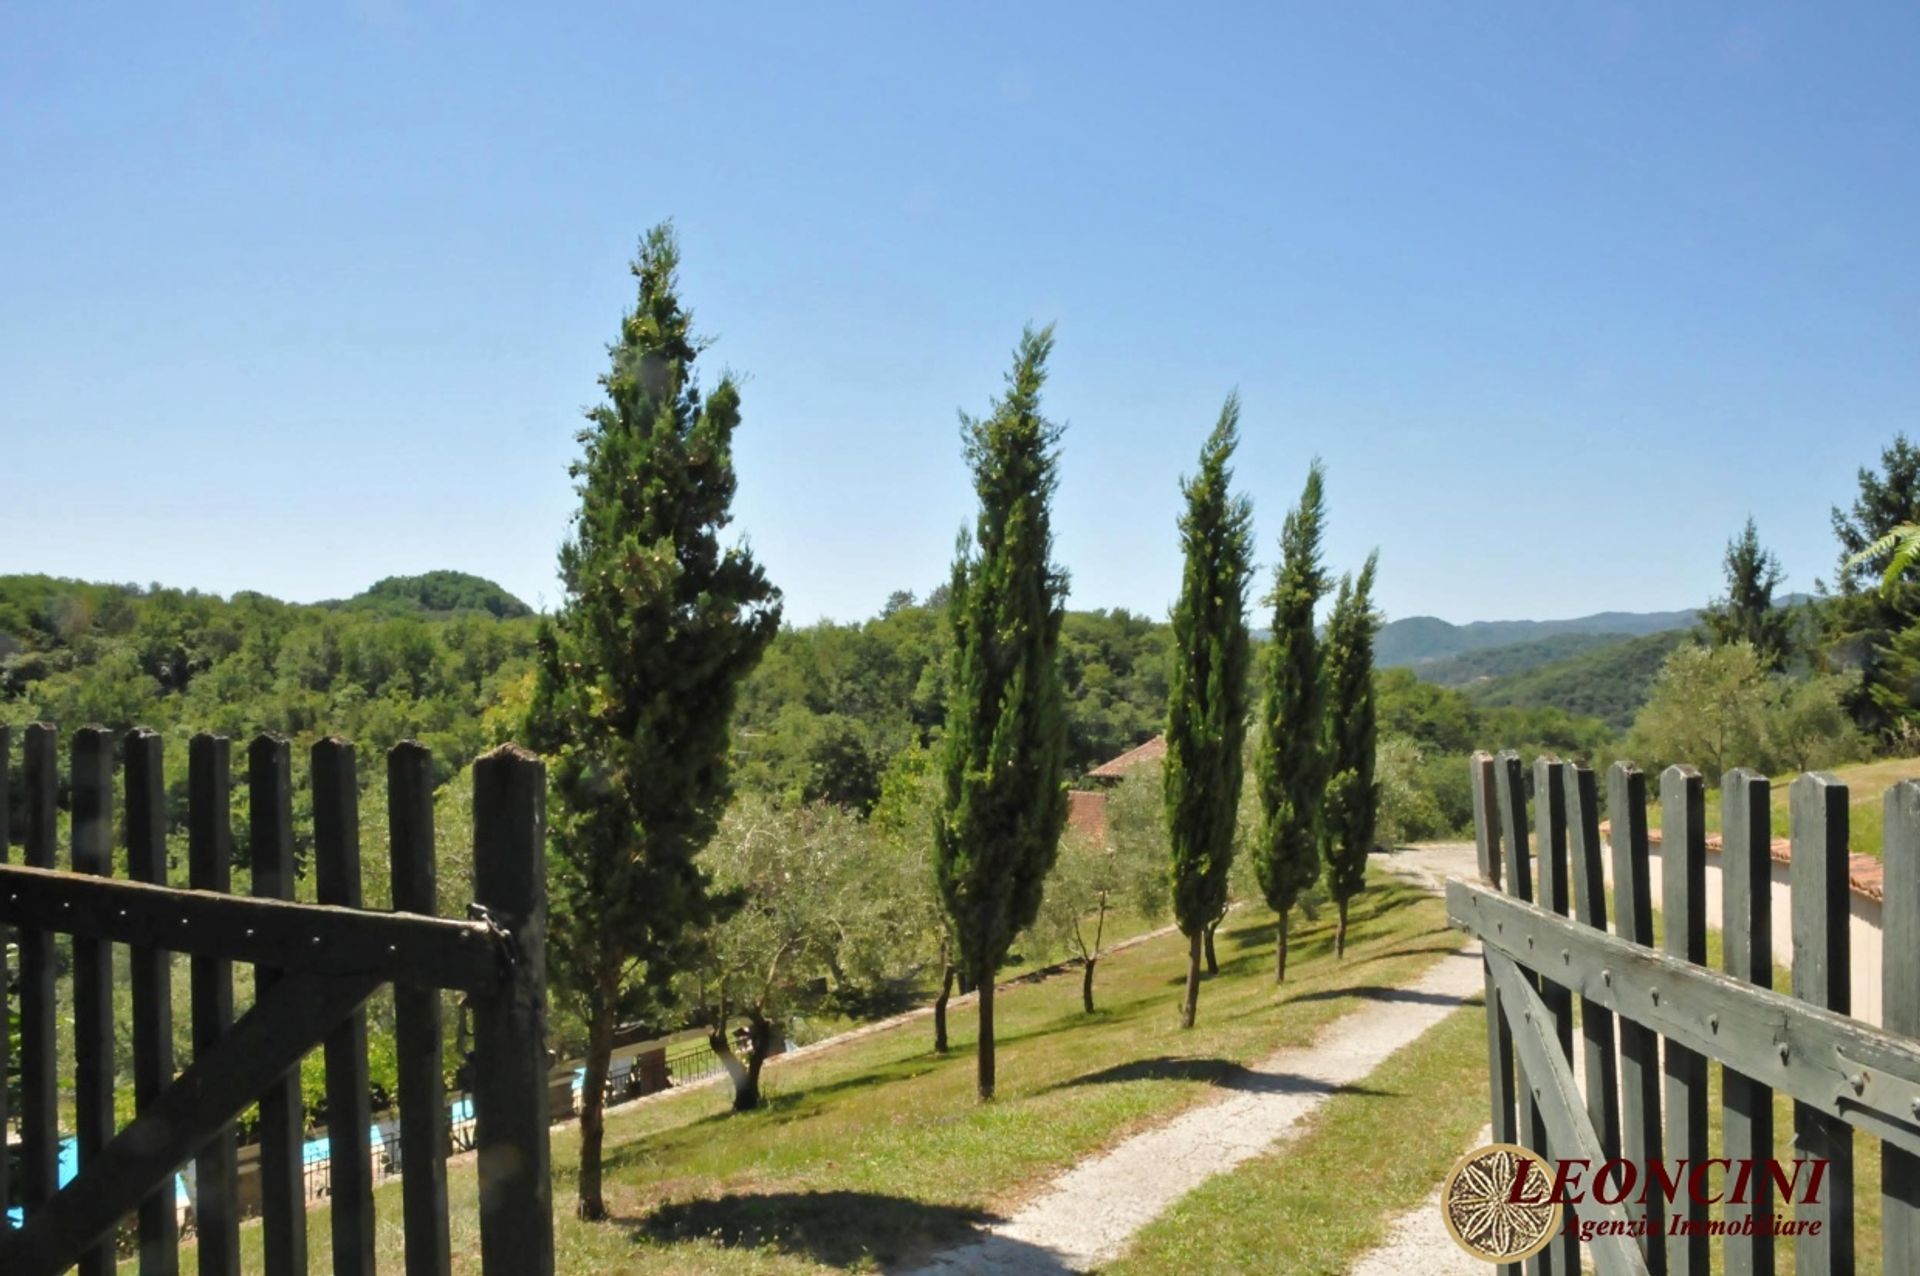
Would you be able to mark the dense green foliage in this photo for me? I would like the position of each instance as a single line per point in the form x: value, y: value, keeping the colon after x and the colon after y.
x: 440, y: 591
x: 1208, y: 702
x: 178, y: 661
x: 1351, y: 804
x: 1721, y: 707
x: 1003, y: 800
x: 637, y: 675
x: 1289, y: 755
x: 1748, y: 613
x: 1418, y: 640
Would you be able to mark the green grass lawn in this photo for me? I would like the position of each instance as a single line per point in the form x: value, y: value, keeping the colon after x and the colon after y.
x: 878, y: 1152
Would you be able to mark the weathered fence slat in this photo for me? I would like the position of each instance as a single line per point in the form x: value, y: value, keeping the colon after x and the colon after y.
x: 510, y: 1092
x: 1828, y: 1053
x: 152, y: 975
x: 417, y: 1019
x: 1900, y: 1012
x: 283, y: 1206
x: 209, y: 868
x: 1486, y: 824
x: 1639, y: 1045
x: 1683, y: 904
x: 1590, y: 907
x: 336, y: 860
x: 6, y: 982
x: 91, y: 846
x: 1550, y: 854
x: 39, y: 1106
x: 1817, y: 806
x: 1746, y: 930
x: 1614, y: 1254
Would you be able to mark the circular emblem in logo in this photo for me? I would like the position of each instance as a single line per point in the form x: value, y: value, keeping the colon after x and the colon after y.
x: 1483, y: 1215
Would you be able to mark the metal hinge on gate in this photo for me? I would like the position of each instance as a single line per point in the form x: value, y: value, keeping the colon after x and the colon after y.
x: 504, y: 941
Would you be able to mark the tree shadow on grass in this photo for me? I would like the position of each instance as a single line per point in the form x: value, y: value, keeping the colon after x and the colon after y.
x: 1381, y: 992
x: 1224, y: 1073
x: 834, y: 1228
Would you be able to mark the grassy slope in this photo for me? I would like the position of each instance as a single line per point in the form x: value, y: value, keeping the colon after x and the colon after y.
x: 1328, y: 1197
x: 878, y: 1151
x: 1867, y: 784
x: 1471, y: 667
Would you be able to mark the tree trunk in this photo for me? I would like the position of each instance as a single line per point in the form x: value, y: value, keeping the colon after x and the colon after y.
x: 1280, y: 951
x: 1086, y: 985
x: 986, y: 1037
x: 1340, y: 932
x: 1192, y: 1002
x: 940, y: 1009
x: 745, y: 1075
x: 1213, y: 963
x: 592, y: 1206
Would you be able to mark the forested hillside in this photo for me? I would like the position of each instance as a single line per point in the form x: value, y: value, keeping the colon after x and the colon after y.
x: 1609, y: 682
x: 1418, y: 639
x: 1471, y: 667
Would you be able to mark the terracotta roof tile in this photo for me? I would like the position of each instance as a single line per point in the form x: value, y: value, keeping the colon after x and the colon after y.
x: 1087, y: 814
x: 1152, y: 751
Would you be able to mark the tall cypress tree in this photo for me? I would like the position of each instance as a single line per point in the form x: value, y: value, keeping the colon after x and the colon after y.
x: 1290, y: 764
x: 1004, y: 798
x: 636, y: 677
x: 1207, y: 701
x: 1352, y: 801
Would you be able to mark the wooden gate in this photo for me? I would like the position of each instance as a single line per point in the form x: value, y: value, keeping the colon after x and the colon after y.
x: 314, y: 967
x: 1542, y: 921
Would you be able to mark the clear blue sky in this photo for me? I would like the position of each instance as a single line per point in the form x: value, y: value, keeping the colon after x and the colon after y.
x: 295, y: 296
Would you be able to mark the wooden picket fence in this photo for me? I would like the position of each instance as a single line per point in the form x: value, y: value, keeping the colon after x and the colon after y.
x: 1542, y: 920
x: 315, y: 966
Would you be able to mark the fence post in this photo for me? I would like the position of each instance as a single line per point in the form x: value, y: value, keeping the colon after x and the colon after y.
x: 39, y: 1101
x: 1746, y: 930
x: 1683, y: 888
x: 1511, y: 785
x: 1817, y: 807
x: 1550, y: 853
x: 1590, y: 909
x: 6, y: 981
x: 283, y: 1198
x: 509, y: 1026
x: 152, y: 971
x: 1486, y: 828
x: 1639, y: 1044
x: 92, y: 851
x: 1900, y: 1012
x: 336, y: 863
x: 416, y: 1019
x: 216, y: 1214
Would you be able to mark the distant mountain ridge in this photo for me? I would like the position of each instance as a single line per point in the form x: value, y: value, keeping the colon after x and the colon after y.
x: 1419, y: 639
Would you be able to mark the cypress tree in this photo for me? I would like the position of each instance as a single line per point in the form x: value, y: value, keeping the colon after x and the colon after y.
x: 1003, y: 796
x: 1289, y: 763
x: 636, y: 674
x: 1207, y: 701
x: 1352, y: 801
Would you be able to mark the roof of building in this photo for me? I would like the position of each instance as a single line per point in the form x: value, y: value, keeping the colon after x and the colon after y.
x: 1152, y: 751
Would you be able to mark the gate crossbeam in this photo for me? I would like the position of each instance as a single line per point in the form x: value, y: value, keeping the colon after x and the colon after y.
x: 1557, y: 1095
x: 264, y: 1044
x: 406, y: 948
